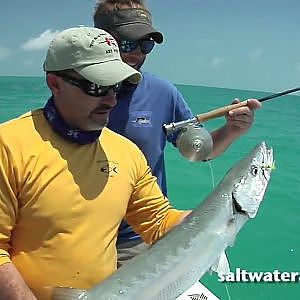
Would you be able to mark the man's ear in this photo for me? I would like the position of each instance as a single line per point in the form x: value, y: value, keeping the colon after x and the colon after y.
x: 53, y: 82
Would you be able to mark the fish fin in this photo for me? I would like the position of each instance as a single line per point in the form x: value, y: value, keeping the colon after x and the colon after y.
x: 221, y: 265
x: 68, y: 293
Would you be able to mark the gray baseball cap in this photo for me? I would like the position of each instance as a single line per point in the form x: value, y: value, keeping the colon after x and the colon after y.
x: 130, y: 23
x: 91, y: 52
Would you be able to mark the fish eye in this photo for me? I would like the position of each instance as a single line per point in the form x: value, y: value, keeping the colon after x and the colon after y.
x: 254, y: 170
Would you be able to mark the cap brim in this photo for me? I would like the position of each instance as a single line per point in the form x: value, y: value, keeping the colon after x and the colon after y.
x: 109, y: 73
x: 137, y: 31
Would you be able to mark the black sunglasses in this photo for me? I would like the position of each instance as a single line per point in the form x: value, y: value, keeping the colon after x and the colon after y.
x: 88, y: 87
x: 146, y: 45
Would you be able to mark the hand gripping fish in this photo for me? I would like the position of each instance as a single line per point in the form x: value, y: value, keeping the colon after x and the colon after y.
x: 189, y: 250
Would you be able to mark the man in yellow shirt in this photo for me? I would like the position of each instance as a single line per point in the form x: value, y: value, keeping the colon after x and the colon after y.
x: 67, y: 181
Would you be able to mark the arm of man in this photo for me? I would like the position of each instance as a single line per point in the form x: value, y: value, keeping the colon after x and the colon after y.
x: 149, y: 212
x: 12, y: 285
x: 239, y: 121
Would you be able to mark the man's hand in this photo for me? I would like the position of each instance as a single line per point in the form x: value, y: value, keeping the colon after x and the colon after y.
x: 239, y: 120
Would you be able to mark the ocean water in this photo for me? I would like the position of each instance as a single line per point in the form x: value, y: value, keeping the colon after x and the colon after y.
x: 267, y: 243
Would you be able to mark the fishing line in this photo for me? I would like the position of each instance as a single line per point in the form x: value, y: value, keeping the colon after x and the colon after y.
x: 227, y: 291
x: 211, y: 174
x: 213, y: 186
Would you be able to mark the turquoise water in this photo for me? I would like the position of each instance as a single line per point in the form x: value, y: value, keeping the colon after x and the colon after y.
x: 267, y: 243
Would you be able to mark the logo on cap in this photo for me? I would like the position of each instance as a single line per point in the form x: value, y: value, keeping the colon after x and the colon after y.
x: 109, y: 40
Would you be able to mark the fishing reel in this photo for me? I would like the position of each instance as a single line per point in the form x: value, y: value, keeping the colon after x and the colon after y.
x: 194, y: 142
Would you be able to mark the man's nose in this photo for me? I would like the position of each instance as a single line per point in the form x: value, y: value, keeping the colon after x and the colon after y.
x: 110, y: 98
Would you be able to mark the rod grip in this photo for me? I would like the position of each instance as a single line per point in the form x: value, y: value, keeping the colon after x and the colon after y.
x: 219, y: 111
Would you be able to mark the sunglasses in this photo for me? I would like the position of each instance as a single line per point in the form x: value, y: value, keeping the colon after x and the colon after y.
x: 146, y: 45
x: 88, y: 87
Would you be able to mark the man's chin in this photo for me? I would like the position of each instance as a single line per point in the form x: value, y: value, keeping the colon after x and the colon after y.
x: 96, y: 125
x: 95, y: 128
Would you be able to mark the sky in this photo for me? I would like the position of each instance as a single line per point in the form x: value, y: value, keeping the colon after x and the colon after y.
x: 239, y: 44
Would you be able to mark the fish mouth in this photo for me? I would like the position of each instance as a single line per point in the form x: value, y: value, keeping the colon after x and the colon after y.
x: 248, y: 192
x: 237, y: 208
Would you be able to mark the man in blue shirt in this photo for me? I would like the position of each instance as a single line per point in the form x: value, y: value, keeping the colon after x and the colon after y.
x: 142, y: 109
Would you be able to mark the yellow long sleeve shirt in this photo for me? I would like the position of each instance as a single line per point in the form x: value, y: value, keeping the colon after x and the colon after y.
x: 61, y: 203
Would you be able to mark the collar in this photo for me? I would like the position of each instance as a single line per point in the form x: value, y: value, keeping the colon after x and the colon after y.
x: 59, y: 126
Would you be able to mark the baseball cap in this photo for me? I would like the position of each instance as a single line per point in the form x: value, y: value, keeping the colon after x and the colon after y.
x: 91, y: 52
x: 130, y: 24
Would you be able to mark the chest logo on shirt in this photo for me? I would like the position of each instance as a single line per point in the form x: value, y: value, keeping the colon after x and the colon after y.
x: 109, y: 168
x: 141, y: 118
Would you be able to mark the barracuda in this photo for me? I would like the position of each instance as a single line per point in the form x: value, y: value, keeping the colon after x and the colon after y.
x: 189, y: 250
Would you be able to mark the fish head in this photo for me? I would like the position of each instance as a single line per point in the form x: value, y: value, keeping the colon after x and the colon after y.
x: 252, y: 180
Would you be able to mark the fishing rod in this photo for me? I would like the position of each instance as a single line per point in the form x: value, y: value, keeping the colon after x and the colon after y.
x: 172, y: 127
